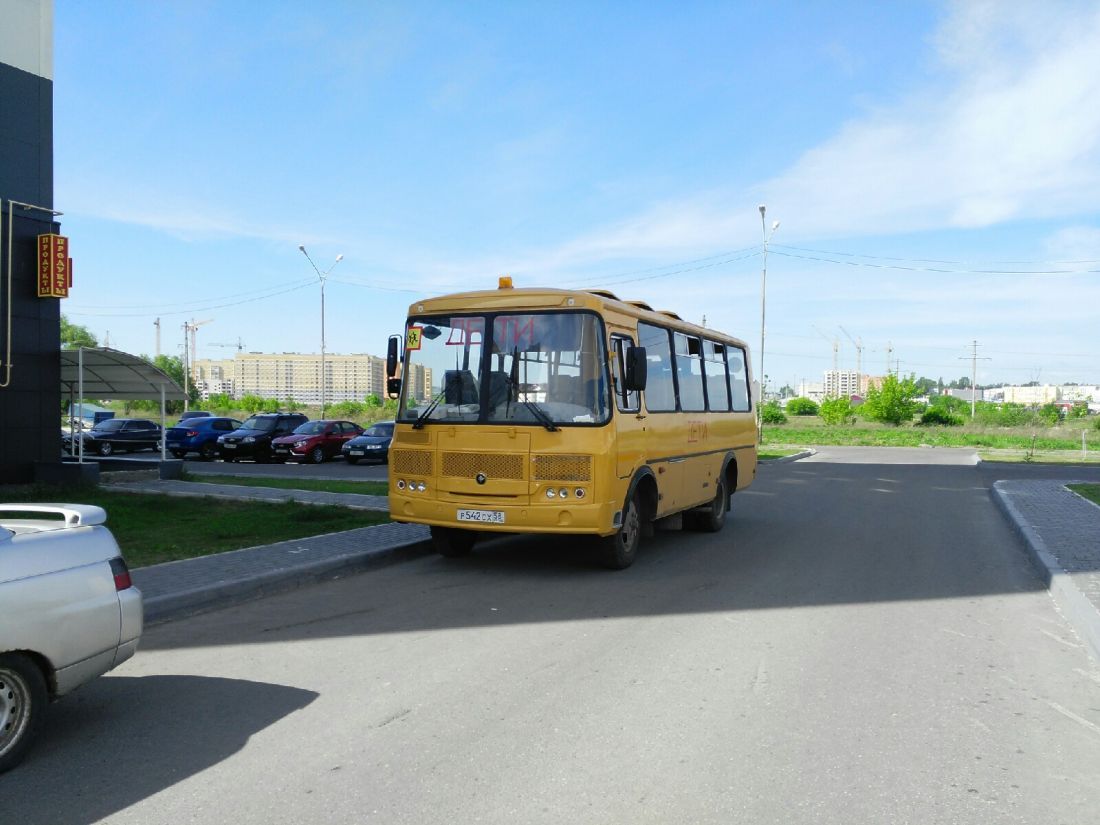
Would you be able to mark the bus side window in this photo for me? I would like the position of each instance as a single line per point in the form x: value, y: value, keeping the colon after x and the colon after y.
x: 718, y: 397
x: 625, y: 400
x: 739, y: 386
x: 660, y: 388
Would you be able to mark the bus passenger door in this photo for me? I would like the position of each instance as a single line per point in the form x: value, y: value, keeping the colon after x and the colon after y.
x: 630, y: 423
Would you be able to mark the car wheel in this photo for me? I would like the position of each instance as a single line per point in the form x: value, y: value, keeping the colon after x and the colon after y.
x: 22, y: 702
x: 452, y: 542
x: 208, y: 451
x: 620, y: 550
x: 352, y: 459
x: 105, y: 448
x: 179, y: 453
x: 316, y: 456
x: 712, y: 518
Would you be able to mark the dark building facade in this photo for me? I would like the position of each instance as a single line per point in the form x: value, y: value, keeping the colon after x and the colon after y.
x: 30, y: 366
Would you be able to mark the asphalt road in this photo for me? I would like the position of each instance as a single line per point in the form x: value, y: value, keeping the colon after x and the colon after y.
x: 862, y: 644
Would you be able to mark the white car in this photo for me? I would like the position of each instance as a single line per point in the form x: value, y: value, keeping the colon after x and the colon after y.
x: 69, y: 612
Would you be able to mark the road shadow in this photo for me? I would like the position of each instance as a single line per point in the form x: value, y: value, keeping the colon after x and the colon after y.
x: 122, y: 739
x: 801, y: 536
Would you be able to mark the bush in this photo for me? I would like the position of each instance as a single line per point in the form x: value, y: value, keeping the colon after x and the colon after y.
x: 1079, y: 410
x: 801, y: 406
x: 939, y: 415
x: 950, y: 403
x: 1050, y: 414
x: 771, y: 413
x: 834, y: 411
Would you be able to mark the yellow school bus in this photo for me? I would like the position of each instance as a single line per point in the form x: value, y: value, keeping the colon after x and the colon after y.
x: 571, y: 412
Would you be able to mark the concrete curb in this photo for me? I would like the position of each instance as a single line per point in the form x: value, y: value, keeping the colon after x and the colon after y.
x: 271, y: 495
x: 225, y: 593
x: 1075, y: 606
x: 787, y: 458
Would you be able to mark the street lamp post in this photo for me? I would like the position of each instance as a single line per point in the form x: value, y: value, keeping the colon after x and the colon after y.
x: 321, y: 276
x: 766, y: 236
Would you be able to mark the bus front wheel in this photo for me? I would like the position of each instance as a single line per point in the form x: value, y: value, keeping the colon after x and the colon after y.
x: 620, y: 549
x: 452, y: 542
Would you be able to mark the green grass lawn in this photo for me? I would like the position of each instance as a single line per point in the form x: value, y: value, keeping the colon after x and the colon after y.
x: 805, y: 430
x: 364, y: 488
x: 1089, y: 491
x: 152, y: 528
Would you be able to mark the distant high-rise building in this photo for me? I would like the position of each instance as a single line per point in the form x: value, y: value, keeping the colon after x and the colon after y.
x: 297, y: 377
x: 841, y: 383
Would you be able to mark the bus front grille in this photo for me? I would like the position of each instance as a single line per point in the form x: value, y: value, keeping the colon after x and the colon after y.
x: 411, y: 462
x: 493, y: 465
x: 563, y: 467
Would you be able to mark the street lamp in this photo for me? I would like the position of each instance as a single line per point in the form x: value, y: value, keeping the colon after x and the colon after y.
x: 321, y: 276
x: 765, y: 236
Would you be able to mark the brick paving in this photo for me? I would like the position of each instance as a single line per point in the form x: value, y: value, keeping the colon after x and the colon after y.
x: 1062, y: 530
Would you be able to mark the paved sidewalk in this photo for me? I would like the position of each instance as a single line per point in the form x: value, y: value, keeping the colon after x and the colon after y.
x: 181, y: 588
x: 1062, y: 532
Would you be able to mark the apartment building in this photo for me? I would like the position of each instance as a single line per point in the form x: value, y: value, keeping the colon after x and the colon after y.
x: 297, y: 377
x: 841, y: 383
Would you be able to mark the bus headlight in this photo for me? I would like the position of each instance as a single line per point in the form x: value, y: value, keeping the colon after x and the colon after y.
x: 579, y: 492
x: 400, y: 484
x: 550, y: 492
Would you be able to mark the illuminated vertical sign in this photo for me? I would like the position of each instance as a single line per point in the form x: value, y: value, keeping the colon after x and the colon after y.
x: 55, y: 271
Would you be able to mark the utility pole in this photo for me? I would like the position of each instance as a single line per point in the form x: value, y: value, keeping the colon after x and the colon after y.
x: 889, y: 354
x: 186, y: 363
x: 156, y: 323
x: 974, y: 359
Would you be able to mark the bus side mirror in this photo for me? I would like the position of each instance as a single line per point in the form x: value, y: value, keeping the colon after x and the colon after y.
x: 637, y: 369
x: 393, y: 387
x: 391, y: 355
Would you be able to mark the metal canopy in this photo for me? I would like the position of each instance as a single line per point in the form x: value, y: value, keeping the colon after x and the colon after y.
x: 110, y: 374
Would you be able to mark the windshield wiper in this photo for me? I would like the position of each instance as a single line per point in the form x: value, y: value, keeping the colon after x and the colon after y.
x: 513, y: 389
x: 420, y: 419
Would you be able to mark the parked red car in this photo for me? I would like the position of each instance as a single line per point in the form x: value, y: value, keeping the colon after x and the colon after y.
x: 314, y: 441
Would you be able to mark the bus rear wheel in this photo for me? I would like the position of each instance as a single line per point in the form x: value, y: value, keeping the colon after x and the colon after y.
x: 620, y: 550
x: 452, y: 542
x: 712, y: 517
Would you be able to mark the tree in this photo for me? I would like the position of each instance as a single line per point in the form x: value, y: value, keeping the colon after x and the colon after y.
x: 74, y: 335
x: 834, y: 411
x: 892, y: 401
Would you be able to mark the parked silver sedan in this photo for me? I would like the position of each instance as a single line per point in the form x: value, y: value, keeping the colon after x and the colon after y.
x: 70, y: 612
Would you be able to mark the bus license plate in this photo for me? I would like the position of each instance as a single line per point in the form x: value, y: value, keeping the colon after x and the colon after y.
x: 482, y: 516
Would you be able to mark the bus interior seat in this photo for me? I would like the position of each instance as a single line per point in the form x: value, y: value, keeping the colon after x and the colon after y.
x: 459, y: 387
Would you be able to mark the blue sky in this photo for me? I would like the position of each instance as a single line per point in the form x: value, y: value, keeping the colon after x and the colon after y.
x: 935, y: 169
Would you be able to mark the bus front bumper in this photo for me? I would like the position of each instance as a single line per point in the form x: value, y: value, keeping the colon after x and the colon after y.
x: 596, y: 518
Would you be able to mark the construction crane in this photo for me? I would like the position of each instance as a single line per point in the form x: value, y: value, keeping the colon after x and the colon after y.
x: 836, y: 347
x: 239, y: 346
x: 858, y: 344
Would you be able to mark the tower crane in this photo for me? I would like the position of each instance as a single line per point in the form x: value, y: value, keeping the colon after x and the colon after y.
x: 858, y: 344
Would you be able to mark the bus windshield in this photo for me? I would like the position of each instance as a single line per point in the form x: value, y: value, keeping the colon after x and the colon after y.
x: 541, y: 369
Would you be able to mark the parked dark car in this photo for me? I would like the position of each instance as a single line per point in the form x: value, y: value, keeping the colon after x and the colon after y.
x: 374, y: 444
x: 198, y: 435
x: 122, y: 434
x: 253, y: 438
x: 315, y: 441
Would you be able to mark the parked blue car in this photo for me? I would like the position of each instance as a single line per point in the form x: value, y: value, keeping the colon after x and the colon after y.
x: 199, y: 435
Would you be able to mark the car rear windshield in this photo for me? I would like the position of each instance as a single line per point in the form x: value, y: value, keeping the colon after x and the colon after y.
x: 259, y: 422
x: 110, y: 425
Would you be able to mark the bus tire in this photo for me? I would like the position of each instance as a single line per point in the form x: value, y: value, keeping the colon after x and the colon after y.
x: 712, y: 518
x: 452, y: 542
x: 620, y: 549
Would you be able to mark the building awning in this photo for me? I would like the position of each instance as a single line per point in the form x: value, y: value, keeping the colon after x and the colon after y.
x: 109, y: 374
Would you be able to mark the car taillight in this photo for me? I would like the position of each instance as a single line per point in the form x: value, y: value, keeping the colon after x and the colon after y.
x: 121, y: 573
